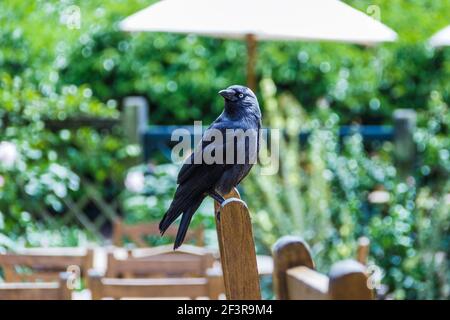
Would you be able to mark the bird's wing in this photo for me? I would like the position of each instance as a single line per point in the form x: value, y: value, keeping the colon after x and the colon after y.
x: 234, y: 174
x: 190, y: 168
x: 195, y: 181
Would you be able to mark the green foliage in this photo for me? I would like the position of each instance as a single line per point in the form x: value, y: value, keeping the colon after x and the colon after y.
x: 322, y: 195
x: 42, y: 165
x: 433, y: 142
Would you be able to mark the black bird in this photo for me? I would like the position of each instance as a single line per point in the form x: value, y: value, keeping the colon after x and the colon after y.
x: 199, y: 180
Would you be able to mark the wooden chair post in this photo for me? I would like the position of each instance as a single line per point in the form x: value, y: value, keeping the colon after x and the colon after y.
x: 362, y: 252
x: 348, y: 281
x: 200, y: 236
x: 215, y: 283
x: 88, y: 263
x: 95, y: 284
x: 117, y: 232
x: 64, y: 292
x: 111, y: 271
x: 237, y: 249
x: 10, y: 274
x: 288, y: 252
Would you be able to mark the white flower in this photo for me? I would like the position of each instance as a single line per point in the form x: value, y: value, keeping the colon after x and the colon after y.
x: 8, y: 153
x: 379, y: 196
x: 2, y: 181
x: 135, y: 181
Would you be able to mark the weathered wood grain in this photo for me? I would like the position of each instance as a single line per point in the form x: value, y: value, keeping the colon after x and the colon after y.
x: 237, y: 249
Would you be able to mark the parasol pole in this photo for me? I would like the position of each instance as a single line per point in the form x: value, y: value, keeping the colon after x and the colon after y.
x: 251, y: 61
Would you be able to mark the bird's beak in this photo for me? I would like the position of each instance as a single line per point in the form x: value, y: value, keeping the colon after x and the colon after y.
x: 228, y: 94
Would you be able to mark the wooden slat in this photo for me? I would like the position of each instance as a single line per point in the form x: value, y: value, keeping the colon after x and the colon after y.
x: 288, y: 252
x: 40, y: 261
x: 98, y: 199
x: 53, y: 251
x: 182, y: 287
x: 29, y: 291
x: 153, y: 288
x: 167, y: 266
x: 136, y: 232
x: 45, y: 276
x: 37, y: 290
x: 237, y: 250
x: 82, y: 218
x: 45, y: 264
x: 304, y: 283
x: 168, y: 249
x: 100, y: 221
x: 160, y: 262
x: 36, y: 206
x: 43, y: 212
x: 70, y: 214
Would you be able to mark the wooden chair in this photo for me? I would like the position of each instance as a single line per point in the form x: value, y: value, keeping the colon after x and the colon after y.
x: 210, y: 286
x: 237, y: 250
x: 36, y: 290
x: 137, y: 233
x: 43, y: 264
x: 295, y: 278
x: 160, y: 262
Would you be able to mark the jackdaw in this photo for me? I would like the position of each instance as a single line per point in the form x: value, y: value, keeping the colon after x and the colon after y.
x: 239, y: 125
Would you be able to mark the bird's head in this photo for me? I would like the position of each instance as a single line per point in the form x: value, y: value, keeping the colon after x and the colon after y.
x: 239, y: 99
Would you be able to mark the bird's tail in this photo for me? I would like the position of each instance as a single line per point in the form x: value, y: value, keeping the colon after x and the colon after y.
x: 185, y: 221
x: 187, y: 208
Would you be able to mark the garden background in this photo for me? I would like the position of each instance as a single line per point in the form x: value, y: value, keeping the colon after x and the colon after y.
x: 61, y: 96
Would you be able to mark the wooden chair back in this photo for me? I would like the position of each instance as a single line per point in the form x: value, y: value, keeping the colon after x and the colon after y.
x: 137, y: 233
x: 162, y: 262
x: 210, y: 286
x: 295, y: 278
x: 43, y: 264
x: 237, y: 249
x: 36, y: 290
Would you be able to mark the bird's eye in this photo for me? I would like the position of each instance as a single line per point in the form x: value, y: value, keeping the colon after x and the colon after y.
x: 241, y: 95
